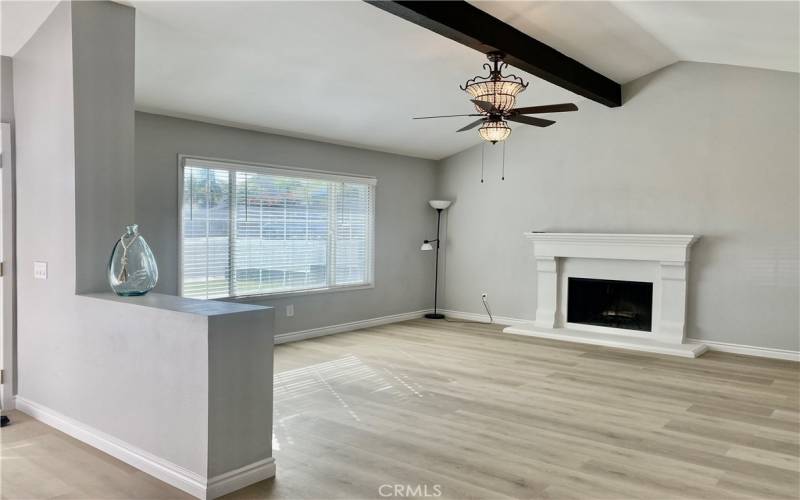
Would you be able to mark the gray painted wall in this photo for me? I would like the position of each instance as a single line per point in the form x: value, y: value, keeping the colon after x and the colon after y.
x: 8, y: 214
x: 403, y: 274
x: 53, y: 360
x: 43, y: 102
x: 64, y: 340
x: 240, y: 381
x: 6, y: 90
x: 102, y: 51
x: 697, y: 148
x: 99, y: 360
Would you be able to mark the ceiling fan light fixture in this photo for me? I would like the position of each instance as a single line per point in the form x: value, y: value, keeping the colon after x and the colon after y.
x: 498, y: 89
x: 494, y: 97
x: 495, y: 131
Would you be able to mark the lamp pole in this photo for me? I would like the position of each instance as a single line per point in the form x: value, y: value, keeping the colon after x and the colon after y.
x: 439, y: 205
x: 435, y: 314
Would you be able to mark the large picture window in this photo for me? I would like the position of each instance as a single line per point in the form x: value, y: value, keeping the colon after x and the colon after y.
x: 255, y: 230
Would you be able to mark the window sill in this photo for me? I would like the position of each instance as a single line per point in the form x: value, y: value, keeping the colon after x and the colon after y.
x: 297, y: 293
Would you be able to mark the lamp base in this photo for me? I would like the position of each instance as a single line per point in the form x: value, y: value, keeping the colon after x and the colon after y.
x: 434, y: 316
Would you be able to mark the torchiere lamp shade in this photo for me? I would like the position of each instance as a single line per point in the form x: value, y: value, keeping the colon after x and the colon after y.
x: 440, y: 204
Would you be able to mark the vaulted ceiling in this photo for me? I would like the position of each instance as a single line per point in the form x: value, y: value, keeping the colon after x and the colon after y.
x: 349, y: 73
x: 627, y: 39
x: 342, y: 72
x: 19, y: 20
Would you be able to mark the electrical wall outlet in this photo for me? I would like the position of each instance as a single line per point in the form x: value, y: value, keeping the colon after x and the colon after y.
x: 290, y: 310
x: 40, y: 270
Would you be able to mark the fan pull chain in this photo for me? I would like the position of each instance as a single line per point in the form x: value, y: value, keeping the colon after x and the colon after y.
x: 503, y: 175
x: 483, y: 150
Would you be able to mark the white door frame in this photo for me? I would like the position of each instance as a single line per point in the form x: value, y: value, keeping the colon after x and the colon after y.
x: 8, y: 280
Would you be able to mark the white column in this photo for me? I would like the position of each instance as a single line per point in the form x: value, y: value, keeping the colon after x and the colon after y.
x: 546, y: 292
x: 672, y: 325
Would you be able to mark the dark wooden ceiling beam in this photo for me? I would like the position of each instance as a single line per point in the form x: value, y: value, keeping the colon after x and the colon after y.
x: 470, y: 26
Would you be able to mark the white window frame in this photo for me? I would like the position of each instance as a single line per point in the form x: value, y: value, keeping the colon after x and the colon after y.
x: 265, y: 168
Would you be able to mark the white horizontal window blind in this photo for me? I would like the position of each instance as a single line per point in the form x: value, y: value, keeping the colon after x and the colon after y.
x: 206, y: 233
x: 262, y: 230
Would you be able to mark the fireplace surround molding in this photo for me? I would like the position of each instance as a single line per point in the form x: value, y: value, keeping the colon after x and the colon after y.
x: 662, y: 259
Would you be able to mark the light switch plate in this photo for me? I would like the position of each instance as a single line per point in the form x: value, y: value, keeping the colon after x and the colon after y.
x: 290, y: 310
x: 40, y: 270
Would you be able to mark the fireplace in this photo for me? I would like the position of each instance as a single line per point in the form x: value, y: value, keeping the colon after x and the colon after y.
x: 610, y: 303
x: 614, y: 290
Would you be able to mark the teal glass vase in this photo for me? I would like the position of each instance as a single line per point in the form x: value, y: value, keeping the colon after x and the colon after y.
x: 132, y: 269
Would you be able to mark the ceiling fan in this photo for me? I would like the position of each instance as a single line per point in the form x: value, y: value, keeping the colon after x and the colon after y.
x: 494, y: 97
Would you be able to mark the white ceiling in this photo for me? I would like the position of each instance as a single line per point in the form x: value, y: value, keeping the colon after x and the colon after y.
x: 344, y: 72
x: 757, y: 34
x: 597, y: 34
x: 19, y: 20
x: 349, y: 73
x: 627, y: 39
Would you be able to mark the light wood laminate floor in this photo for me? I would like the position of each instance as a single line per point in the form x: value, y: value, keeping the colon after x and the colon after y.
x: 467, y: 411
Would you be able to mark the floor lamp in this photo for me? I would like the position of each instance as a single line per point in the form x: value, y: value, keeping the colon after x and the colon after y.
x: 439, y: 205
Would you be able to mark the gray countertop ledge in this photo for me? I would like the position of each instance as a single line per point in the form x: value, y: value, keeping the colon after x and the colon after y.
x: 179, y: 304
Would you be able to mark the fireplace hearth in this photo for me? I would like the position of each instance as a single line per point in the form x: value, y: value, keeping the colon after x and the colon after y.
x: 610, y: 303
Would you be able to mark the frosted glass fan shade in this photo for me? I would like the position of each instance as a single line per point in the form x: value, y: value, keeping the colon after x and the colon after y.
x: 426, y: 246
x: 502, y: 94
x: 495, y: 131
x: 440, y: 204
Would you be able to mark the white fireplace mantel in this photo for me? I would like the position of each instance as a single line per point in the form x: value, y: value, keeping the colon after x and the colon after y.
x: 666, y: 247
x: 661, y: 259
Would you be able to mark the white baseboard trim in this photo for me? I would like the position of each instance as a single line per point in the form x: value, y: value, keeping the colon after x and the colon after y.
x: 749, y: 350
x: 762, y: 352
x: 499, y: 320
x: 282, y: 338
x: 239, y: 478
x: 179, y: 477
x: 173, y: 474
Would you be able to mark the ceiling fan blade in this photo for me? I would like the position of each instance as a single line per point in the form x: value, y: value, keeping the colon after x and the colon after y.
x: 471, y: 125
x: 530, y: 120
x: 486, y: 106
x: 549, y: 108
x: 442, y: 116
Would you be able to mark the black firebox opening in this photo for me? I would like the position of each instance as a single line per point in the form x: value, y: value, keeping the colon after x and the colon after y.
x: 611, y: 303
